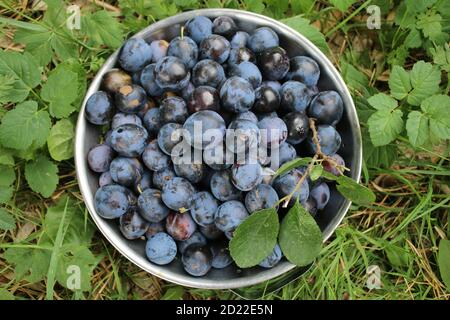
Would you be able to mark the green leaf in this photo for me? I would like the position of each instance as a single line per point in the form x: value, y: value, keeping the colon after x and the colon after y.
x: 404, y: 16
x: 302, y: 26
x: 60, y: 140
x: 382, y: 102
x: 6, y: 295
x: 6, y: 157
x: 23, y: 74
x: 430, y: 24
x: 60, y: 91
x: 103, y: 29
x: 354, y: 192
x: 25, y: 125
x: 413, y: 39
x: 302, y: 6
x: 376, y: 157
x: 385, y: 126
x: 300, y: 237
x: 7, y: 176
x: 441, y: 56
x: 444, y: 262
x: 399, y: 83
x: 255, y: 238
x: 7, y: 221
x: 30, y: 264
x: 42, y: 176
x: 6, y: 193
x: 397, y: 256
x: 288, y: 166
x: 425, y: 80
x: 10, y: 89
x: 354, y: 78
x: 419, y: 5
x: 254, y: 6
x: 316, y: 172
x: 173, y: 293
x: 342, y: 5
x: 437, y: 110
x: 417, y: 127
x: 76, y: 67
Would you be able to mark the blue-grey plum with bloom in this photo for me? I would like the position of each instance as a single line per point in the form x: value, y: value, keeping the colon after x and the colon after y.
x: 162, y: 176
x: 239, y: 39
x: 169, y: 136
x: 99, y: 108
x: 247, y: 71
x: 173, y: 109
x: 131, y: 99
x: 154, y: 158
x: 222, y: 188
x: 148, y: 81
x: 132, y: 225
x: 197, y: 259
x: 212, y: 129
x: 129, y: 140
x: 177, y: 193
x: 237, y: 95
x: 203, y: 208
x: 208, y: 73
x: 125, y: 118
x: 221, y: 255
x: 263, y: 38
x: 196, y: 237
x: 159, y: 49
x: 161, y: 248
x: 171, y: 73
x: 135, y: 54
x: 321, y: 193
x: 246, y: 176
x: 286, y: 184
x: 125, y: 171
x: 327, y: 108
x: 199, y: 28
x: 263, y: 196
x: 100, y: 157
x: 152, y: 121
x: 144, y: 182
x: 215, y: 47
x: 105, y: 179
x: 273, y: 131
x: 239, y: 55
x: 230, y: 215
x: 112, y: 201
x: 305, y: 70
x: 184, y: 48
x: 151, y: 206
x: 294, y: 96
x: 329, y: 140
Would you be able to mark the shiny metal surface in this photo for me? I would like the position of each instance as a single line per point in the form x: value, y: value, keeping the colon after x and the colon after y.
x: 87, y: 135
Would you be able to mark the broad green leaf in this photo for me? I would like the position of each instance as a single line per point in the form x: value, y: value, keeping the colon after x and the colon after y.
x: 382, y: 102
x: 10, y: 90
x: 37, y: 43
x: 288, y: 166
x: 60, y: 90
x: 404, y: 16
x: 413, y: 39
x: 444, y: 262
x: 6, y: 295
x: 377, y: 157
x: 353, y: 191
x: 342, y: 5
x: 254, y: 5
x: 354, y: 78
x: 419, y: 5
x: 42, y: 176
x: 437, y: 110
x: 30, y: 264
x: 6, y: 193
x: 60, y: 140
x: 316, y: 172
x: 441, y: 56
x: 398, y: 56
x: 76, y: 67
x: 430, y: 23
x: 363, y: 109
x: 173, y: 293
x: 255, y: 238
x: 22, y: 72
x: 300, y: 237
x: 302, y: 26
x: 385, y: 126
x: 24, y: 126
x: 6, y: 157
x: 103, y: 29
x: 425, y: 80
x: 7, y: 176
x: 417, y: 127
x: 7, y: 221
x: 302, y: 6
x: 399, y: 83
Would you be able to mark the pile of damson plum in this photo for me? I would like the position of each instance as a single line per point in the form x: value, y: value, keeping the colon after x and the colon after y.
x: 237, y: 107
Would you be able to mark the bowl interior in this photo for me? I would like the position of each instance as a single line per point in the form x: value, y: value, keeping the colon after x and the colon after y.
x: 88, y: 135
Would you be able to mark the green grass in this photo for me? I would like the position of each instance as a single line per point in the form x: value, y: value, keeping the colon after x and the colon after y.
x: 400, y: 232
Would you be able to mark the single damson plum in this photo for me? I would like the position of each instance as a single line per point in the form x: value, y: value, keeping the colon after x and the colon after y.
x: 204, y: 129
x: 125, y: 171
x: 159, y: 49
x: 135, y: 54
x: 152, y: 121
x: 230, y: 215
x: 197, y: 259
x: 332, y: 166
x: 199, y: 28
x: 247, y: 115
x: 196, y: 238
x: 150, y: 104
x: 286, y: 152
x: 129, y: 140
x: 215, y: 47
x: 154, y: 228
x: 169, y: 136
x: 298, y: 126
x: 246, y: 176
x: 329, y: 140
x: 266, y: 99
x: 112, y: 201
x: 239, y: 39
x: 274, y: 63
x: 294, y: 96
x: 241, y: 54
x: 131, y: 99
x: 273, y: 131
x: 171, y: 73
x: 176, y: 194
x: 105, y: 179
x: 272, y: 259
x: 148, y: 81
x: 217, y: 158
x: 188, y: 169
x: 208, y: 73
x: 184, y: 48
x: 263, y: 196
x: 203, y: 207
x: 321, y: 193
x: 237, y: 95
x: 286, y: 184
x: 224, y: 26
x: 247, y: 71
x: 125, y: 118
x: 162, y: 176
x: 173, y: 109
x: 221, y: 255
x: 222, y: 188
x: 115, y: 79
x: 100, y: 157
x: 132, y: 225
x: 327, y: 107
x: 242, y: 137
x: 204, y: 98
x: 180, y: 225
x: 99, y: 108
x: 154, y: 158
x: 144, y: 183
x: 304, y: 69
x: 211, y: 232
x: 161, y: 248
x: 263, y: 38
